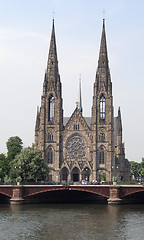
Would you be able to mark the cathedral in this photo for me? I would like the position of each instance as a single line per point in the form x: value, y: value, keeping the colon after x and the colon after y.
x: 80, y: 148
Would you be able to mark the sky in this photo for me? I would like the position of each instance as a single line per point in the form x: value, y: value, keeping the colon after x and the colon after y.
x: 25, y: 31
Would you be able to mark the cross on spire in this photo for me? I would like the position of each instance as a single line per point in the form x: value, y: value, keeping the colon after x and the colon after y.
x: 103, y: 13
x: 53, y: 13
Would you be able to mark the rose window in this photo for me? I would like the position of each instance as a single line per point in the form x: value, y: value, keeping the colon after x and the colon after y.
x: 76, y: 147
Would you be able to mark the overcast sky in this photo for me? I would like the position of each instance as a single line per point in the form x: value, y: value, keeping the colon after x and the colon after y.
x: 25, y: 30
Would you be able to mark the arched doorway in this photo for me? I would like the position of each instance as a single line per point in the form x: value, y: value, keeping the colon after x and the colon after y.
x: 86, y: 174
x: 101, y: 175
x: 75, y: 175
x: 64, y: 174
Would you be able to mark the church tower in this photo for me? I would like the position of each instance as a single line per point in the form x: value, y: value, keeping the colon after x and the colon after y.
x: 49, y: 122
x: 102, y: 116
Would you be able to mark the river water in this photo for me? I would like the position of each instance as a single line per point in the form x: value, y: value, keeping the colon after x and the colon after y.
x: 71, y: 222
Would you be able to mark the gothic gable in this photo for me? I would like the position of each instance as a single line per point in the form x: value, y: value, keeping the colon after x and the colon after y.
x: 76, y: 122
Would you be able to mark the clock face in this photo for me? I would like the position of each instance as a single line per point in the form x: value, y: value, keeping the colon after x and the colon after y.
x: 76, y: 147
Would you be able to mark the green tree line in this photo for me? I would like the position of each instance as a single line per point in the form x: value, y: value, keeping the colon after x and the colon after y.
x: 137, y: 171
x: 21, y: 164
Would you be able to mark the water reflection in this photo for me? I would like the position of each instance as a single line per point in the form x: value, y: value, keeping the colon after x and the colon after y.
x: 71, y: 222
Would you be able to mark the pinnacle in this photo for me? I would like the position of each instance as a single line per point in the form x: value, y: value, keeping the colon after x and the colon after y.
x: 119, y: 120
x: 79, y: 97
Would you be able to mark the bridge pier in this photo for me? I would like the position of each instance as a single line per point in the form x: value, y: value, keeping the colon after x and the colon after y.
x: 114, y: 195
x: 17, y: 195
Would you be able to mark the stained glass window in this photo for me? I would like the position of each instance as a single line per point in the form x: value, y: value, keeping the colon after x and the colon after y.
x: 76, y: 147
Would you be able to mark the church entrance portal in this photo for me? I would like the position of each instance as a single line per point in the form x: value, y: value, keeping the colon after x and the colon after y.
x: 64, y: 174
x: 86, y: 174
x: 75, y: 175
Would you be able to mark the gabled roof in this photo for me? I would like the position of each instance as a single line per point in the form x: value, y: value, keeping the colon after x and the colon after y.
x: 77, y: 113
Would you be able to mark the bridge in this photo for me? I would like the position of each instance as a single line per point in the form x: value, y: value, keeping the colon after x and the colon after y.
x: 17, y: 194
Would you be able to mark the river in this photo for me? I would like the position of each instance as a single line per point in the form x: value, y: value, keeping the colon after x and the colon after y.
x: 71, y: 222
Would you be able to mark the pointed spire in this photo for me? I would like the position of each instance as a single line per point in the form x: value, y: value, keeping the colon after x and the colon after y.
x: 52, y: 65
x: 103, y: 79
x: 103, y: 56
x: 79, y: 103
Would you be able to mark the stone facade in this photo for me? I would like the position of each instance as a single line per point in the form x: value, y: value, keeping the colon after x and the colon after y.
x: 80, y: 148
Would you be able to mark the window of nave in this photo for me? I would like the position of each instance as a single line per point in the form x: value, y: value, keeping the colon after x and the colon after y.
x: 51, y: 108
x: 50, y: 155
x: 101, y: 155
x: 102, y: 108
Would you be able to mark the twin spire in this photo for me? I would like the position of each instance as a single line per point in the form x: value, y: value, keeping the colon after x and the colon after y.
x: 52, y: 73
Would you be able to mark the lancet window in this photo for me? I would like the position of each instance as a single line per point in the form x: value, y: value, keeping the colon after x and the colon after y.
x: 101, y: 155
x: 102, y: 108
x: 50, y: 155
x: 51, y: 108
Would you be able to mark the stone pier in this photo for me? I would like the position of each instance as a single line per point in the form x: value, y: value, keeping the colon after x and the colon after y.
x: 17, y: 195
x: 114, y: 195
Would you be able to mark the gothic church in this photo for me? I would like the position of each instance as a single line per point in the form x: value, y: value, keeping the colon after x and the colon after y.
x: 80, y: 148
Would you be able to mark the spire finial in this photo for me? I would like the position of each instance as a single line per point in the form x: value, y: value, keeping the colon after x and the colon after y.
x: 103, y: 15
x: 53, y: 13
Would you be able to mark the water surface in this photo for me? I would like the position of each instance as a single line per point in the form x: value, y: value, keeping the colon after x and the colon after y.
x: 71, y: 222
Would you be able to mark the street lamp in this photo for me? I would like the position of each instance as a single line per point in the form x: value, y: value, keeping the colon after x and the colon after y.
x: 18, y: 177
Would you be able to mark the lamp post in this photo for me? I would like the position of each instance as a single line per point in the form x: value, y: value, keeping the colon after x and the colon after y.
x: 18, y: 177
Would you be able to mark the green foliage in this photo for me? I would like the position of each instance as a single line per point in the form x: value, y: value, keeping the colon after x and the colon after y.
x: 3, y: 166
x: 14, y: 146
x: 114, y: 178
x: 29, y: 165
x: 103, y: 177
x: 142, y: 163
x: 7, y: 179
x: 18, y: 179
x: 136, y: 169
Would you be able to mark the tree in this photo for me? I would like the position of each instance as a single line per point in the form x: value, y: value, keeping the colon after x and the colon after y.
x: 142, y: 163
x: 3, y: 167
x: 135, y: 169
x: 29, y: 165
x: 103, y: 176
x: 14, y: 146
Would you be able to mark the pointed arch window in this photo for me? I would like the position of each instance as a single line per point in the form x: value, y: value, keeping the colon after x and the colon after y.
x: 102, y: 108
x: 101, y: 155
x: 51, y: 109
x: 50, y: 155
